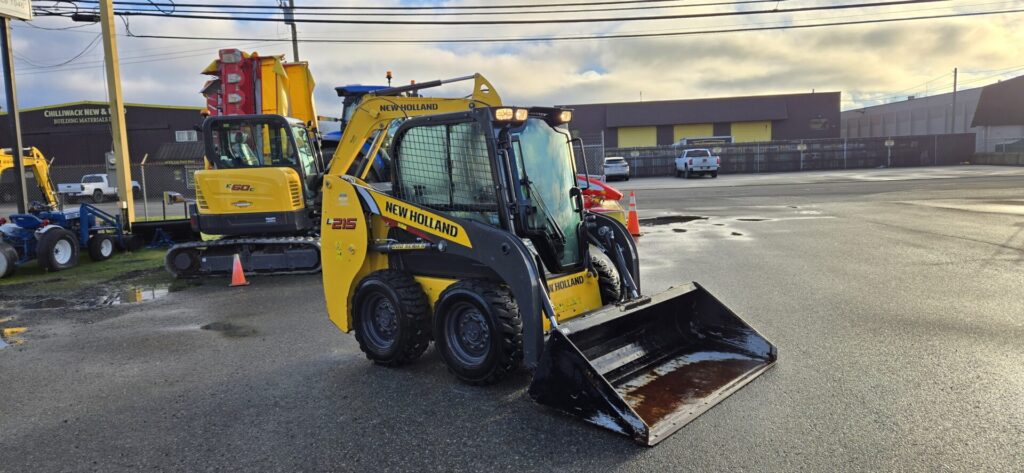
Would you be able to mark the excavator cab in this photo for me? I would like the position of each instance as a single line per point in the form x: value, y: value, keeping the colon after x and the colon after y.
x: 265, y: 169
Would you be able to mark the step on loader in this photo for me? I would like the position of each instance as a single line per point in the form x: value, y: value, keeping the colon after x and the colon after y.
x: 483, y: 246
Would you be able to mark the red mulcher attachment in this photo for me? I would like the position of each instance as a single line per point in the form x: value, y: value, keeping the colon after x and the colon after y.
x: 646, y: 369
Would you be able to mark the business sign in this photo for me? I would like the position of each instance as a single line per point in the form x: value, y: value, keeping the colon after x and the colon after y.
x: 21, y: 9
x: 78, y: 116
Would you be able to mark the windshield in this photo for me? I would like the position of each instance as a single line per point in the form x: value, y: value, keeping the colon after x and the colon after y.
x: 544, y: 156
x: 306, y: 156
x: 248, y: 145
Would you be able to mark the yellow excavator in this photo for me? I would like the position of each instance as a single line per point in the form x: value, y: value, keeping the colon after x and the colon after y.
x: 483, y: 244
x: 261, y: 190
x: 33, y: 161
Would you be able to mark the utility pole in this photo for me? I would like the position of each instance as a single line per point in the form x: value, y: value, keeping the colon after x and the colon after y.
x: 952, y: 127
x: 12, y: 112
x: 117, y: 126
x: 289, y: 18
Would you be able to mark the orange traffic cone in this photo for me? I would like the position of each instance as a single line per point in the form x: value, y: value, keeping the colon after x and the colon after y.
x: 237, y: 274
x: 633, y: 221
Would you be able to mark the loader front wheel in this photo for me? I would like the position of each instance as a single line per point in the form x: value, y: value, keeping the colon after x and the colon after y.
x: 607, y: 281
x: 391, y: 318
x: 478, y: 331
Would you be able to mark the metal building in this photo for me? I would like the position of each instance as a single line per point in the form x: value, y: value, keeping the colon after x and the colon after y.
x: 994, y: 113
x: 740, y: 119
x: 78, y: 133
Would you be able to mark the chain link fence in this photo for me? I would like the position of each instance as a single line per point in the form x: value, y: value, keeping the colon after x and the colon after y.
x: 592, y: 148
x: 810, y: 155
x: 151, y: 180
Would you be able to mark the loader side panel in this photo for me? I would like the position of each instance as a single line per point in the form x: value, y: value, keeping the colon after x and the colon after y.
x: 344, y: 238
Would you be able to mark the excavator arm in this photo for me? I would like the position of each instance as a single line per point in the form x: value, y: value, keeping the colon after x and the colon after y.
x: 378, y: 109
x: 35, y: 162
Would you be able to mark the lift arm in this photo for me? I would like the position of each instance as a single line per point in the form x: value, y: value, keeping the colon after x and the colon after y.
x: 378, y: 109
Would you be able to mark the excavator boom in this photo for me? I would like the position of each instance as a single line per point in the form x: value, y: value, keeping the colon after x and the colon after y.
x: 36, y: 162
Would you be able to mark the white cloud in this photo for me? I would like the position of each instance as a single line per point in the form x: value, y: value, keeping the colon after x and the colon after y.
x: 864, y: 62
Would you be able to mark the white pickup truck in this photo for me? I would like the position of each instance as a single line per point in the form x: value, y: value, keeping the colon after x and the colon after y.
x: 698, y: 161
x: 95, y: 186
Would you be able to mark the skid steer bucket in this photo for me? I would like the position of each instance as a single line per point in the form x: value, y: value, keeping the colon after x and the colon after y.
x: 647, y: 369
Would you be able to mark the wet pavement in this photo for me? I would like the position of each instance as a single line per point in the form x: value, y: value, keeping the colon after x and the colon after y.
x: 895, y: 305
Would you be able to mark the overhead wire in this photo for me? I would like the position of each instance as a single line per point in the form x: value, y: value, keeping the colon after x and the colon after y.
x: 237, y: 10
x: 546, y: 20
x: 397, y: 8
x: 589, y: 37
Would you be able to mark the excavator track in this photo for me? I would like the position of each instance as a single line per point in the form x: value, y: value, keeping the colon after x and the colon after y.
x: 259, y: 255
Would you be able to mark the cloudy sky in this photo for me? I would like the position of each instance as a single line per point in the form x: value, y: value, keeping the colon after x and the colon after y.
x: 868, y: 63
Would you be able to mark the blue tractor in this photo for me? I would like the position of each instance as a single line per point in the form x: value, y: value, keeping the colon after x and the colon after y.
x: 55, y: 237
x: 50, y: 233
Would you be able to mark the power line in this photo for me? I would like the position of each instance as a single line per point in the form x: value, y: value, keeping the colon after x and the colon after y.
x: 539, y: 21
x: 92, y: 44
x: 589, y: 37
x: 435, y: 7
x: 235, y: 10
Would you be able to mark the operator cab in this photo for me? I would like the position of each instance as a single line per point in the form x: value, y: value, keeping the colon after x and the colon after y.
x: 511, y: 168
x: 254, y: 141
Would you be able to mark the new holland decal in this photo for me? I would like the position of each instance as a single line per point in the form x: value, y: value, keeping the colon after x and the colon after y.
x: 565, y: 284
x: 410, y: 107
x: 421, y: 219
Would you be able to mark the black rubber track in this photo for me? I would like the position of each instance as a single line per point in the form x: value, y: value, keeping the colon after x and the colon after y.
x: 414, y: 317
x: 607, y: 280
x: 508, y: 323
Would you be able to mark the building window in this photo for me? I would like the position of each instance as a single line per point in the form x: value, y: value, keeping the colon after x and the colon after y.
x: 186, y: 135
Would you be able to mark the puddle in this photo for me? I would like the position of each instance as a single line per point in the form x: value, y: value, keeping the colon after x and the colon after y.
x: 134, y: 295
x: 229, y: 329
x: 48, y: 303
x: 669, y: 219
x: 718, y: 224
x: 679, y: 230
x: 737, y: 234
x: 753, y: 219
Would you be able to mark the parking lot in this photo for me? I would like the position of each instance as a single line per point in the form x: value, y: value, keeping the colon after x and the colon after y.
x: 894, y: 297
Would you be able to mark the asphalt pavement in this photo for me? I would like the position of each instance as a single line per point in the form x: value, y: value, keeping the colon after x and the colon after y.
x: 895, y: 299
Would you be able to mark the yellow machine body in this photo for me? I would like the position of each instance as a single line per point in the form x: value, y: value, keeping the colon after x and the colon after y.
x: 345, y: 239
x: 248, y: 190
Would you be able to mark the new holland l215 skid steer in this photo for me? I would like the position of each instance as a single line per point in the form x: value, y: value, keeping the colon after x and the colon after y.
x: 483, y: 244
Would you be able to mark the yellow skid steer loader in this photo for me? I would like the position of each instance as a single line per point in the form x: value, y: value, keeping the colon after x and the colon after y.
x: 483, y: 244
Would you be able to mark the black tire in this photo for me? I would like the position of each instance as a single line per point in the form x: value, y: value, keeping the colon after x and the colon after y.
x: 607, y: 281
x: 391, y: 318
x: 57, y: 250
x: 101, y: 247
x: 714, y: 174
x: 131, y: 242
x: 182, y: 262
x: 97, y: 196
x: 8, y: 260
x: 627, y: 178
x: 478, y: 331
x: 686, y: 173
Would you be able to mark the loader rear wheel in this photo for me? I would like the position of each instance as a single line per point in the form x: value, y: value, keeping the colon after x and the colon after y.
x: 8, y: 259
x: 57, y: 250
x: 607, y: 281
x: 478, y: 331
x: 391, y: 318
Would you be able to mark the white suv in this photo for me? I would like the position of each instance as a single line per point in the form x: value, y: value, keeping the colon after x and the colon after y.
x: 616, y: 167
